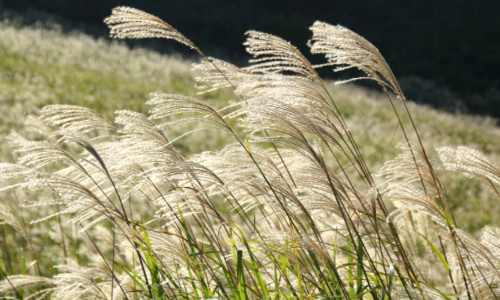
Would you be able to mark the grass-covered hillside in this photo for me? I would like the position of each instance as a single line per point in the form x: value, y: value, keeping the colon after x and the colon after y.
x: 41, y: 66
x: 164, y: 220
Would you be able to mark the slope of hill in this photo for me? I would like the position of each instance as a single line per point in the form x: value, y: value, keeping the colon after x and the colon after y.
x: 41, y: 66
x: 119, y: 199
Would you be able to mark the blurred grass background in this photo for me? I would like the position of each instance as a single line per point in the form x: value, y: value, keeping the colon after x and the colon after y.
x: 42, y: 65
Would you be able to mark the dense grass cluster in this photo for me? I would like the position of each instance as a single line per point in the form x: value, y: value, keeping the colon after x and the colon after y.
x: 296, y: 204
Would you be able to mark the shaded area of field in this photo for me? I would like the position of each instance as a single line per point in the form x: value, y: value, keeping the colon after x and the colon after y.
x: 449, y: 44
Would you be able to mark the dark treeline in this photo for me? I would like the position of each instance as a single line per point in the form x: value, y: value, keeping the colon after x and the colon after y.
x: 445, y: 53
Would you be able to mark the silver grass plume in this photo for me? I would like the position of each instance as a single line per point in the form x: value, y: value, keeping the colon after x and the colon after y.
x: 81, y: 283
x: 274, y: 55
x: 409, y: 167
x: 345, y: 49
x: 167, y: 105
x: 9, y: 216
x: 24, y: 281
x: 471, y: 163
x: 83, y: 183
x: 131, y: 23
x: 37, y: 126
x: 75, y: 118
x: 491, y: 239
x: 480, y: 265
x: 296, y: 93
x: 217, y: 74
x: 407, y: 199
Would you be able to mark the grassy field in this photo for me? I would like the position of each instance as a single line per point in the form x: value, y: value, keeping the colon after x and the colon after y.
x: 42, y: 66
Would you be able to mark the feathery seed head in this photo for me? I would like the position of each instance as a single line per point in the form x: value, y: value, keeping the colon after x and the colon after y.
x: 345, y: 49
x: 131, y: 23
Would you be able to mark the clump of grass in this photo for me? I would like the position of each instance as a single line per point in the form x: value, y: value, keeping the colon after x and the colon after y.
x: 289, y: 209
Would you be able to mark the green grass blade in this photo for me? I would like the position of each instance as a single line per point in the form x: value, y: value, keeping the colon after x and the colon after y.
x: 242, y: 288
x: 438, y: 253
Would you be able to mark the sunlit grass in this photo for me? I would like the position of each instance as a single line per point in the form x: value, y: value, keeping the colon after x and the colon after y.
x: 173, y: 223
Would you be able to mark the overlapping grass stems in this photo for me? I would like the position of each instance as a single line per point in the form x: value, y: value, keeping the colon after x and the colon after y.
x: 287, y: 210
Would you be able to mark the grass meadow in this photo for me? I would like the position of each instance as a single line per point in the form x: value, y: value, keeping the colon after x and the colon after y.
x: 126, y: 174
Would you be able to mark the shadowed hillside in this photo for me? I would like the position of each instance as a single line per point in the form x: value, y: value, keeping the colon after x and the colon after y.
x: 448, y: 44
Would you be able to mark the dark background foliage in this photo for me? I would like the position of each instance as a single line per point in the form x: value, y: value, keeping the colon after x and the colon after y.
x: 445, y: 53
